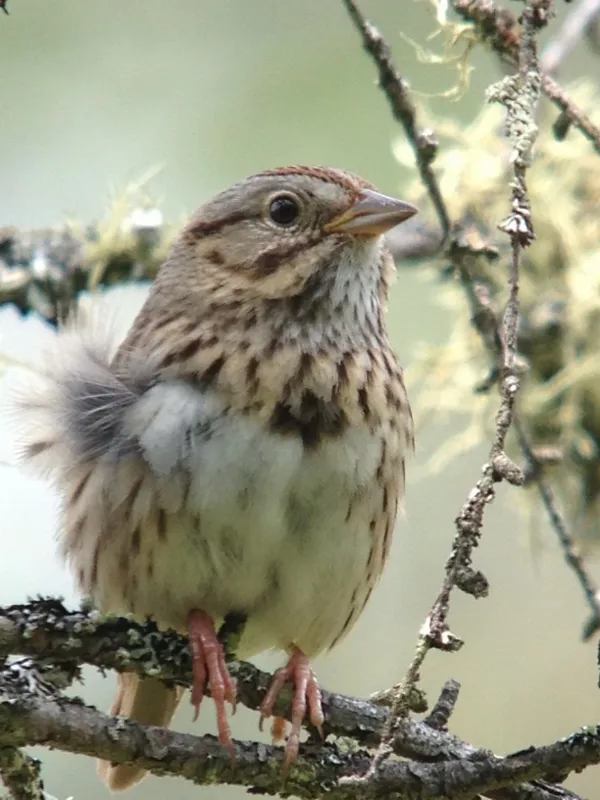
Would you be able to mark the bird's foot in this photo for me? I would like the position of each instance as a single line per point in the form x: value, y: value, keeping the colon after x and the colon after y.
x: 209, y: 667
x: 306, y: 694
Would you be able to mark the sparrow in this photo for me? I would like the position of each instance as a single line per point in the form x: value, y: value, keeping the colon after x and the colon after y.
x: 241, y: 454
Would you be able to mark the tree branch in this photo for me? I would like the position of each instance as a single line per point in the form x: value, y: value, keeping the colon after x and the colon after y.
x: 45, y: 269
x: 77, y: 728
x: 33, y: 712
x: 21, y: 774
x: 573, y: 558
x: 396, y: 90
x: 499, y: 28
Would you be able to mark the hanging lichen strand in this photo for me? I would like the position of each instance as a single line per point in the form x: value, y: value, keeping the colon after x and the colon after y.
x: 559, y: 337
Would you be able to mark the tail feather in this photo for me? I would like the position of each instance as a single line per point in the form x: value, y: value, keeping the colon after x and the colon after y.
x: 73, y: 411
x: 145, y: 700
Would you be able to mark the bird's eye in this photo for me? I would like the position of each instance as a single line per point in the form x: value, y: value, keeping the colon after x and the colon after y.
x: 284, y: 210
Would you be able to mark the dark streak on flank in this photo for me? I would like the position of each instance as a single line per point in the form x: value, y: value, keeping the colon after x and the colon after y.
x: 161, y: 524
x: 251, y: 374
x: 387, y: 536
x: 272, y: 347
x: 342, y: 370
x: 379, y: 473
x: 168, y: 359
x: 250, y: 320
x: 363, y: 401
x: 190, y: 349
x: 304, y: 367
x: 211, y: 373
x: 136, y: 542
x: 95, y: 564
x: 350, y: 509
x: 135, y: 491
x: 348, y: 621
x: 76, y: 531
x: 315, y: 420
x: 392, y: 397
x: 164, y: 320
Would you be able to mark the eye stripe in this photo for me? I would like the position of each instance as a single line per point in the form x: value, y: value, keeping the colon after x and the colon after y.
x: 201, y: 228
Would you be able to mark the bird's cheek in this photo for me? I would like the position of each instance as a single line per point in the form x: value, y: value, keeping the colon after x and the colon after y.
x: 300, y: 269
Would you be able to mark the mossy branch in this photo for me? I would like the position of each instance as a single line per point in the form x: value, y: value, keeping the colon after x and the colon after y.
x: 44, y: 270
x: 500, y: 29
x: 433, y: 763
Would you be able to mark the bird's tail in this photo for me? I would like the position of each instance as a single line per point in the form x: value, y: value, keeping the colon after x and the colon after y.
x: 72, y: 410
x: 147, y: 701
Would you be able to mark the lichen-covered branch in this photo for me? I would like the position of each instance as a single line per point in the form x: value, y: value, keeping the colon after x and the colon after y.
x: 500, y: 29
x: 77, y: 728
x: 44, y: 270
x: 435, y: 763
x: 21, y: 774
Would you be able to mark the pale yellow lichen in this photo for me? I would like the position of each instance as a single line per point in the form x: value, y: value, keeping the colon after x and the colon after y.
x: 560, y: 297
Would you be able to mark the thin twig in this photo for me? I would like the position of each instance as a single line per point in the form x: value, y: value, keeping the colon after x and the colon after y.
x: 570, y: 111
x: 570, y: 550
x: 442, y: 711
x: 395, y: 88
x: 520, y: 95
x: 579, y: 18
x: 491, y: 18
x: 499, y: 28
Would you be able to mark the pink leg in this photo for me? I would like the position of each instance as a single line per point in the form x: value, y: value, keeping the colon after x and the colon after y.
x: 208, y: 666
x: 306, y: 692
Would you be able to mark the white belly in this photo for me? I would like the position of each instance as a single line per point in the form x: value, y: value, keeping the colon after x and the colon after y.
x: 254, y: 523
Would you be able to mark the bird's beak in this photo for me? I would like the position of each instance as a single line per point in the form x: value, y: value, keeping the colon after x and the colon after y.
x: 371, y: 215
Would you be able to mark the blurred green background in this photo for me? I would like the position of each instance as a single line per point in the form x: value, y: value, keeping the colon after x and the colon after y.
x: 92, y: 94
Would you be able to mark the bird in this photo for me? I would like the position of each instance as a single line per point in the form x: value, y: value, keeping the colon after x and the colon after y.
x: 241, y: 453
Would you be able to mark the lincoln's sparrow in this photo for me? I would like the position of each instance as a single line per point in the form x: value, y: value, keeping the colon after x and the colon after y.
x: 243, y: 452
